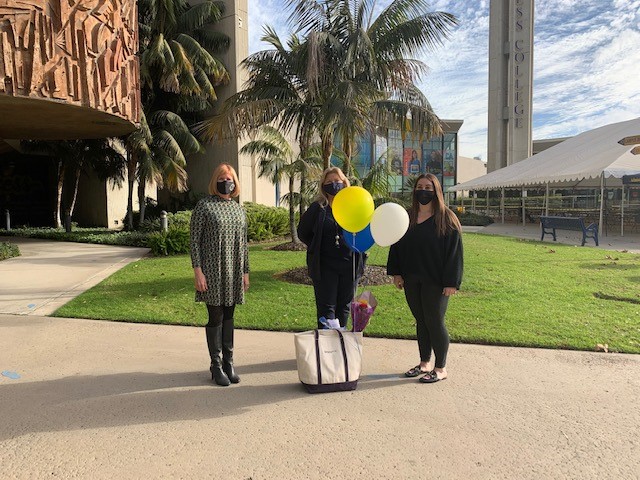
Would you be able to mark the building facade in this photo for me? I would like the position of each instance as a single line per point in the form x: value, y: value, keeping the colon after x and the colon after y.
x: 68, y: 69
x: 410, y: 156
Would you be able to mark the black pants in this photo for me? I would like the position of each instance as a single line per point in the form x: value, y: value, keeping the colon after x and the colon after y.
x: 428, y: 305
x: 219, y: 314
x: 334, y: 292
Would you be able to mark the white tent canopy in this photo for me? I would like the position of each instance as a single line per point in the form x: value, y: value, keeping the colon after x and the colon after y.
x: 581, y: 160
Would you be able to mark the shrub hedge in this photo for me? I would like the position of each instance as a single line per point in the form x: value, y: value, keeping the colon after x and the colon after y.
x: 264, y: 223
x: 8, y: 250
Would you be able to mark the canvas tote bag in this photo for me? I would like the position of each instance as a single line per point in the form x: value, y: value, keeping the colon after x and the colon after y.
x: 328, y: 360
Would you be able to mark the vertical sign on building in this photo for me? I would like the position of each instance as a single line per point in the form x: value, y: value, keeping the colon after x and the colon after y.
x: 510, y: 82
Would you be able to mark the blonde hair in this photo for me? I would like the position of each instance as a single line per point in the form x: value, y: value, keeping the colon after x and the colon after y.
x: 444, y: 217
x: 220, y: 169
x: 322, y: 198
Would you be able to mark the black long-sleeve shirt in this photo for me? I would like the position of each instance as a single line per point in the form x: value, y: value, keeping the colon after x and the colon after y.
x: 422, y: 255
x: 317, y: 229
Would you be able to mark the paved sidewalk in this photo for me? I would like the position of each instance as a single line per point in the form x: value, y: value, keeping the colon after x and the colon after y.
x: 48, y: 274
x: 630, y: 242
x: 105, y: 400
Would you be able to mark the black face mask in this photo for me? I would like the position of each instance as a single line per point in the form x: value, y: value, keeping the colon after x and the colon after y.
x: 332, y: 188
x: 226, y: 187
x: 424, y: 196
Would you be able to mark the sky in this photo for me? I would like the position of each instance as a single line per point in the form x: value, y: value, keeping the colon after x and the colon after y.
x: 586, y: 65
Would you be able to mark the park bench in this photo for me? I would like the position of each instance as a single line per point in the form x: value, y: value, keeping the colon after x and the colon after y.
x: 551, y: 224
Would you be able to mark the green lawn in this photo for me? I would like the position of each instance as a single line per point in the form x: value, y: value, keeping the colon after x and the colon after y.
x: 515, y: 292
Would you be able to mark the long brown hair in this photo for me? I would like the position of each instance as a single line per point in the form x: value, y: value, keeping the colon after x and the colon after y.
x: 444, y: 217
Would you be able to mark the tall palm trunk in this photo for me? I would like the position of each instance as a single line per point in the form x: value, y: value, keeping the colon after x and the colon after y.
x: 347, y: 147
x: 75, y: 190
x: 61, y: 172
x: 131, y: 176
x: 327, y: 148
x: 305, y: 142
x: 292, y: 212
x: 142, y: 184
x: 303, y: 205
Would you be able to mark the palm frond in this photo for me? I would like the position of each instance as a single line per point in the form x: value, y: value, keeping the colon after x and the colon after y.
x: 165, y: 142
x: 158, y: 54
x: 376, y: 181
x: 173, y: 173
x: 175, y: 126
x: 196, y: 52
x: 214, y: 42
x: 205, y: 85
x: 198, y: 16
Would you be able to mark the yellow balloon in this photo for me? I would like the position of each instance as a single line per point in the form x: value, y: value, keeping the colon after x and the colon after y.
x: 353, y: 208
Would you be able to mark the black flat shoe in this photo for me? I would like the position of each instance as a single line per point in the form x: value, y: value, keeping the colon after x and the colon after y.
x: 431, y: 377
x: 414, y: 372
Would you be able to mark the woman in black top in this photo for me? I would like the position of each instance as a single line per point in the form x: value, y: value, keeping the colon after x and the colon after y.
x: 427, y: 263
x: 330, y: 261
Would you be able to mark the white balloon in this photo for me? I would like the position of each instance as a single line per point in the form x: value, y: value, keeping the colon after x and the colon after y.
x: 389, y: 224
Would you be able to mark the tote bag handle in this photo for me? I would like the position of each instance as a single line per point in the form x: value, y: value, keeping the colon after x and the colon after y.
x: 344, y: 356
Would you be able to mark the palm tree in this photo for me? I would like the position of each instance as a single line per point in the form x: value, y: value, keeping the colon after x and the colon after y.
x: 155, y: 154
x: 347, y: 72
x: 179, y: 72
x: 277, y: 161
x: 178, y: 67
x: 103, y: 156
x: 276, y: 94
x: 361, y: 67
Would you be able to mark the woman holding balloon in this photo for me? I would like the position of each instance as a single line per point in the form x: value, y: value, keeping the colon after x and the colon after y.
x: 427, y: 262
x: 333, y: 266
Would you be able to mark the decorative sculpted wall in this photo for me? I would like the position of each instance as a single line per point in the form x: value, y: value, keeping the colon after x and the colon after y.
x: 81, y: 52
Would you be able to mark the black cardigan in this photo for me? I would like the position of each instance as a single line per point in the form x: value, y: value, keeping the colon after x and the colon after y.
x: 423, y: 256
x: 310, y: 232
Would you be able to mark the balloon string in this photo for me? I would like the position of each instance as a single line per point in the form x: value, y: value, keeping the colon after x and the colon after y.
x: 353, y: 256
x: 372, y: 260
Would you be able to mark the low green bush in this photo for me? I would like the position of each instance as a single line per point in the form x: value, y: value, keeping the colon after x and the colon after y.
x: 473, y: 219
x: 8, y: 250
x: 266, y: 222
x: 174, y: 241
x: 179, y: 219
x: 101, y: 236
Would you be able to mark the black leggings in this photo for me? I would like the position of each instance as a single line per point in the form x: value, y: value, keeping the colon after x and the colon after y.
x: 429, y: 305
x: 334, y: 293
x: 219, y: 314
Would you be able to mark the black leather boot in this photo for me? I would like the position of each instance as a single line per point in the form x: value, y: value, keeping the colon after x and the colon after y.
x: 227, y: 351
x: 214, y: 342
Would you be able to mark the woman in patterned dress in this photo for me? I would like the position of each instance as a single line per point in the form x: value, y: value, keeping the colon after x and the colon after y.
x: 220, y: 261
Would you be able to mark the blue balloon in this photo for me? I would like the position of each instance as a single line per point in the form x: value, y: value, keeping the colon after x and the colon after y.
x: 360, y: 241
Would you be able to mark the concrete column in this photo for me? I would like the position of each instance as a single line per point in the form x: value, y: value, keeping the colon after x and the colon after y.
x: 200, y: 167
x: 510, y: 82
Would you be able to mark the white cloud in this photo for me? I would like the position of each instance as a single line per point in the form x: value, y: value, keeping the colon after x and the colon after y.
x: 265, y: 12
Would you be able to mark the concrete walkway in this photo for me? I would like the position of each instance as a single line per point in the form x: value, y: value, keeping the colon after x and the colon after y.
x: 48, y: 274
x: 103, y: 400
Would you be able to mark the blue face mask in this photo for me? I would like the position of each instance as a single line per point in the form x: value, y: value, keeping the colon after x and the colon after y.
x: 332, y: 188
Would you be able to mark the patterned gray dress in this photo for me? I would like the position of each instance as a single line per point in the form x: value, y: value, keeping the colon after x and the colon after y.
x: 219, y: 247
